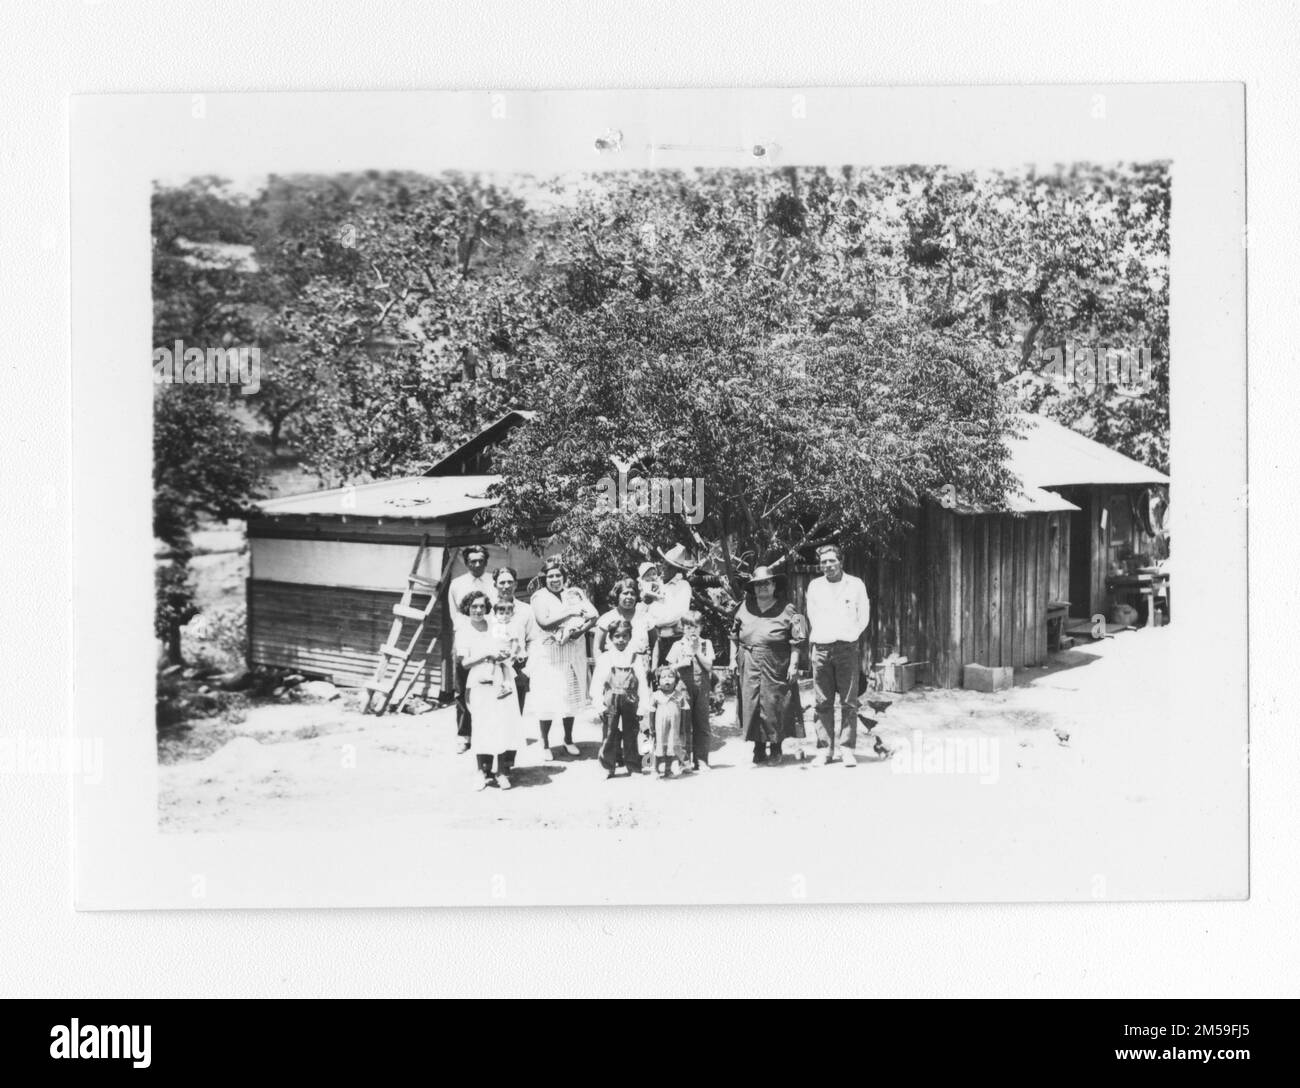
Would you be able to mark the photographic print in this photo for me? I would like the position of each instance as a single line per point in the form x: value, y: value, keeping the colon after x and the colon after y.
x: 661, y: 497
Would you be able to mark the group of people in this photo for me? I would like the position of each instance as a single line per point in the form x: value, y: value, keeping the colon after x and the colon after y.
x: 653, y: 670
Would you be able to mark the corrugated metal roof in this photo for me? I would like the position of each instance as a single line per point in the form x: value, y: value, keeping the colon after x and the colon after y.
x: 1033, y: 500
x: 1051, y: 455
x: 424, y: 498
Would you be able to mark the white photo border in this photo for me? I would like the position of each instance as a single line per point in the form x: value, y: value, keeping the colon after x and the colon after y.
x: 122, y: 143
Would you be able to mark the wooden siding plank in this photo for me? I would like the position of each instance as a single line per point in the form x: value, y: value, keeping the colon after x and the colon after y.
x: 967, y: 544
x: 1007, y: 557
x: 979, y: 591
x: 1034, y: 536
x: 1020, y: 527
x: 915, y: 597
x: 1033, y: 542
x: 1053, y: 534
x: 994, y: 650
x: 1097, y: 560
x: 950, y: 573
x: 1031, y: 584
x: 1063, y: 593
x: 1008, y: 589
x: 1042, y: 596
x: 940, y: 590
x: 987, y: 592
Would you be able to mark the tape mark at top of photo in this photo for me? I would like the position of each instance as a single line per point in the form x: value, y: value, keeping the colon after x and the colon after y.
x: 757, y: 151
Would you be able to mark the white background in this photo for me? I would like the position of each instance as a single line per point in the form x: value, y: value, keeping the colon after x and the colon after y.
x: 47, y: 949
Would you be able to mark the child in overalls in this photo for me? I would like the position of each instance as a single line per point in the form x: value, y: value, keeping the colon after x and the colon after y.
x: 670, y: 709
x: 692, y: 657
x: 616, y: 683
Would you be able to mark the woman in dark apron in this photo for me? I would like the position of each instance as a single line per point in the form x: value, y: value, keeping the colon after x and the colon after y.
x: 769, y: 632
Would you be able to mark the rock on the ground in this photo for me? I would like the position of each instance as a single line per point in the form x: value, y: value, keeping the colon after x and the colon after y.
x: 233, y: 681
x: 317, y: 691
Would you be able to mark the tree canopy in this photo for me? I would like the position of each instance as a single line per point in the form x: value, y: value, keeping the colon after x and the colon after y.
x: 821, y: 346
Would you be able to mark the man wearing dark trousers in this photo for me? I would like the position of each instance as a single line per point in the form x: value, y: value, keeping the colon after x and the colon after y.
x: 838, y: 611
x: 476, y: 560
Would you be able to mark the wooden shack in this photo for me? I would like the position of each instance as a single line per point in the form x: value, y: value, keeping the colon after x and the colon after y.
x: 1120, y: 501
x: 327, y: 567
x: 966, y: 585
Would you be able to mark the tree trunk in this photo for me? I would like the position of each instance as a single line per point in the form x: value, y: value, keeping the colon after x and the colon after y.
x: 174, y: 656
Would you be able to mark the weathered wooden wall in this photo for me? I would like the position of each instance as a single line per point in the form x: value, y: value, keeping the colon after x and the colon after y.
x: 1058, y: 557
x: 321, y: 595
x: 992, y: 575
x: 967, y: 589
x: 329, y: 631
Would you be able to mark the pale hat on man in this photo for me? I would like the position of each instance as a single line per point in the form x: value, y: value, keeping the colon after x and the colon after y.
x: 677, y: 556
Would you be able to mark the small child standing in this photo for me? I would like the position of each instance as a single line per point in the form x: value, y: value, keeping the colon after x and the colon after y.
x: 509, y: 634
x: 692, y: 657
x: 616, y: 683
x: 670, y: 709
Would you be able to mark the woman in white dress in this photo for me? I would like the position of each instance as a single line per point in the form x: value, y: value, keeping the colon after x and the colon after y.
x: 557, y: 663
x: 498, y: 726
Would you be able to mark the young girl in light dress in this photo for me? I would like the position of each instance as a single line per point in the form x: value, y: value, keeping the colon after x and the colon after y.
x: 670, y: 714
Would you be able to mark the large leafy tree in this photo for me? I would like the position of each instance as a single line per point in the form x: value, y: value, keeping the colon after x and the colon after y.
x: 202, y: 265
x: 1038, y: 266
x: 824, y: 347
x: 409, y: 312
x: 795, y: 440
x: 888, y: 313
x: 203, y: 468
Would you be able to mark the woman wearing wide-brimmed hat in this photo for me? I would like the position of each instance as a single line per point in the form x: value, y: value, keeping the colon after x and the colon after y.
x: 770, y: 632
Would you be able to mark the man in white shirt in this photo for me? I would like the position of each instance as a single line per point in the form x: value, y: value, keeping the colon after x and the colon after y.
x: 475, y: 577
x: 838, y: 611
x: 672, y: 601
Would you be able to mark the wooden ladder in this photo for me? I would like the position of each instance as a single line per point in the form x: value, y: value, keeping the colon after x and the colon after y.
x: 395, y: 654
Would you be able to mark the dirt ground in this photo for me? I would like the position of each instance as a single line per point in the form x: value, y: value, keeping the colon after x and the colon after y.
x: 1079, y: 734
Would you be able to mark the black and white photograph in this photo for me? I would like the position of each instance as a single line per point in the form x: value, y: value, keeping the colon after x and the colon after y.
x: 673, y: 502
x: 650, y: 474
x: 629, y: 513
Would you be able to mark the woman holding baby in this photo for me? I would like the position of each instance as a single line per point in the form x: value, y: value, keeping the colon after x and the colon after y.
x: 489, y: 692
x: 557, y: 665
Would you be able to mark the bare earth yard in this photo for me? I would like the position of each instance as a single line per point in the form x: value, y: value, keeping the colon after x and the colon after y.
x: 1083, y: 735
